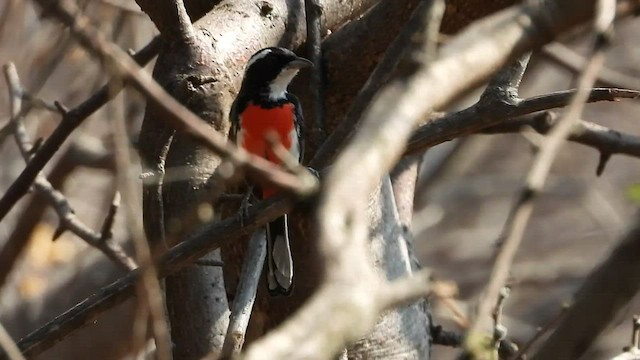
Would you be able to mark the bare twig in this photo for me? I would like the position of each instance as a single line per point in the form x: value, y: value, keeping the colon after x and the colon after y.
x: 490, y: 113
x: 246, y: 294
x: 499, y: 330
x: 149, y: 287
x: 9, y: 346
x: 71, y: 120
x: 635, y: 334
x: 313, y: 11
x: 106, y: 232
x: 520, y: 213
x: 68, y: 220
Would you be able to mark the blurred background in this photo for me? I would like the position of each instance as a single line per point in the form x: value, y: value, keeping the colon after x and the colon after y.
x: 471, y: 184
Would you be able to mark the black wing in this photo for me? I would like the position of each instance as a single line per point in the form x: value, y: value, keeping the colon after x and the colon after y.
x: 299, y: 123
x: 234, y: 116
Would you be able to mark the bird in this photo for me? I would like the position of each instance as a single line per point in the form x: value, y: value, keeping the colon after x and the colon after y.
x: 264, y: 107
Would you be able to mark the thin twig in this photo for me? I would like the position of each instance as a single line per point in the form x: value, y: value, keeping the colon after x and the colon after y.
x: 246, y: 294
x: 499, y: 330
x: 9, y: 346
x: 149, y: 287
x: 106, y: 231
x: 68, y: 220
x: 313, y: 11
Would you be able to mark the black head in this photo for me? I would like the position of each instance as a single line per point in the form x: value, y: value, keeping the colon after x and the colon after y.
x: 270, y: 70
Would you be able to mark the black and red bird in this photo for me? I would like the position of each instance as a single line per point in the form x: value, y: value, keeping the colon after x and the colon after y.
x: 263, y: 106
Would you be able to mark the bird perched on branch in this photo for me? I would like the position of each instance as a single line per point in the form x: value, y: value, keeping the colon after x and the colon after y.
x: 262, y: 111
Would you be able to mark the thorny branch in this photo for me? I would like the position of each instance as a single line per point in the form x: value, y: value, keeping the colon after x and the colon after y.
x: 68, y: 220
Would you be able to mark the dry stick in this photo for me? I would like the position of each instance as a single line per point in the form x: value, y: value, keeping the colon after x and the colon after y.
x: 519, y: 215
x: 106, y: 231
x: 68, y: 220
x: 246, y: 294
x: 9, y: 346
x: 568, y: 58
x: 446, y: 127
x: 212, y: 236
x: 149, y: 285
x: 313, y: 13
x: 70, y: 121
x: 499, y: 330
x: 181, y: 118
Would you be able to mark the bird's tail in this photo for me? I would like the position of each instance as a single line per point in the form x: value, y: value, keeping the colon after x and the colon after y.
x: 280, y: 274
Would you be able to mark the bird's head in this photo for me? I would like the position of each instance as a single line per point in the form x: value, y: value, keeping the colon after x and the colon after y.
x: 270, y: 70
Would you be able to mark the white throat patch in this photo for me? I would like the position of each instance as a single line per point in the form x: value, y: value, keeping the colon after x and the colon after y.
x: 278, y: 87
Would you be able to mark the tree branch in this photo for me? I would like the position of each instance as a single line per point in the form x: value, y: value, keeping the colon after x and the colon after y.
x: 246, y: 294
x: 313, y: 12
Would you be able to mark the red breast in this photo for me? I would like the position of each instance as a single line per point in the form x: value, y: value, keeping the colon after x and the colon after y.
x: 256, y: 122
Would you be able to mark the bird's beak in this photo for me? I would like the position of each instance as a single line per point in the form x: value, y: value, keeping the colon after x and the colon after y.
x: 300, y: 63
